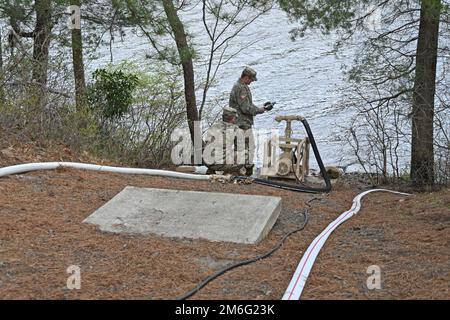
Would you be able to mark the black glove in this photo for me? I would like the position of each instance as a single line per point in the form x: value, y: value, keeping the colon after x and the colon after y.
x: 269, y: 105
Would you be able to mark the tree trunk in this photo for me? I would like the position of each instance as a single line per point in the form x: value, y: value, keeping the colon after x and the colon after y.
x: 422, y: 153
x: 1, y: 52
x: 78, y: 64
x: 1, y: 69
x: 42, y: 34
x: 188, y: 68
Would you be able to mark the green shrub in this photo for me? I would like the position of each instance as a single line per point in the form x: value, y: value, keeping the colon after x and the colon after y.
x: 130, y: 117
x: 112, y: 92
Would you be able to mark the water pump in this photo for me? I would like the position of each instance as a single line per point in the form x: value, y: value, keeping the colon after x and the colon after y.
x: 292, y: 162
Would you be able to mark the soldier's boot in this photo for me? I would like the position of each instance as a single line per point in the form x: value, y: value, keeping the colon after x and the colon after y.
x: 210, y: 171
x: 249, y: 170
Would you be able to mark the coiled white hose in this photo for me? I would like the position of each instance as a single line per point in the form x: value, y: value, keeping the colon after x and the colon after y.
x: 298, y: 281
x: 21, y: 168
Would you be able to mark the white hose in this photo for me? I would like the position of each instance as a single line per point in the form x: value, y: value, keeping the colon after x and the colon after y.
x: 298, y: 281
x: 21, y: 168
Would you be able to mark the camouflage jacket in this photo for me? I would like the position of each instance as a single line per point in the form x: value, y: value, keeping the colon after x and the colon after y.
x: 241, y: 100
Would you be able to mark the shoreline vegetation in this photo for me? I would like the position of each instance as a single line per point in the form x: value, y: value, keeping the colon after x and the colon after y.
x: 127, y: 112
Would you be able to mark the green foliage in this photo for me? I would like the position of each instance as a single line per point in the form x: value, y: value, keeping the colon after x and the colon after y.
x: 139, y: 137
x: 112, y: 92
x: 325, y: 15
x: 16, y: 10
x: 141, y: 134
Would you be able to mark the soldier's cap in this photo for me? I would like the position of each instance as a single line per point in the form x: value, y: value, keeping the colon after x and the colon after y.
x: 250, y: 72
x: 228, y: 111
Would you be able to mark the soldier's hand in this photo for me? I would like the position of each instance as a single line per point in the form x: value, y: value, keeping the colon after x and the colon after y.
x: 268, y: 106
x: 262, y: 110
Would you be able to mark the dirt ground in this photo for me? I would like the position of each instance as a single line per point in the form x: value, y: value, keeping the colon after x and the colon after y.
x: 42, y: 234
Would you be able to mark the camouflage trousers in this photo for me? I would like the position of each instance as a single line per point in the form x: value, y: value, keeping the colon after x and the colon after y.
x: 249, y: 149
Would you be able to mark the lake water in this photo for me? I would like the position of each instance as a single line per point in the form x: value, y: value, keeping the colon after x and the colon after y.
x: 302, y: 76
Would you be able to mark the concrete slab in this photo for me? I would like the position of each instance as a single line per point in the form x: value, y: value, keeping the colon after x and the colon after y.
x: 190, y: 214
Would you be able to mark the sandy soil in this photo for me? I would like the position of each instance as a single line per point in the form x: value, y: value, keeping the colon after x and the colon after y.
x: 41, y: 234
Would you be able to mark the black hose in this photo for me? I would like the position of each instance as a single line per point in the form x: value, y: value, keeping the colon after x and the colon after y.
x: 290, y: 187
x: 249, y: 261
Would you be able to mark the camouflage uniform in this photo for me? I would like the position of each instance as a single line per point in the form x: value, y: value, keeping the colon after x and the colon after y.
x: 227, y: 161
x: 241, y: 99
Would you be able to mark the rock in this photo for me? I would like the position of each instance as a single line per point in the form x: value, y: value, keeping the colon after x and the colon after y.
x: 334, y: 172
x: 8, y: 152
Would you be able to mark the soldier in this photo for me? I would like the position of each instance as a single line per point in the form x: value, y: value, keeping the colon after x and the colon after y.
x: 241, y: 100
x: 222, y: 153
